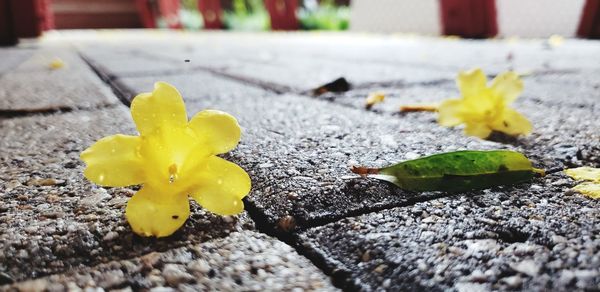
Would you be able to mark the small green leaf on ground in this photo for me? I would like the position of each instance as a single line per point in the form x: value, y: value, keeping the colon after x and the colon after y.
x: 456, y: 171
x: 591, y: 177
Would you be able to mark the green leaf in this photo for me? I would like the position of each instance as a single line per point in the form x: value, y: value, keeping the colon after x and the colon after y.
x: 457, y: 171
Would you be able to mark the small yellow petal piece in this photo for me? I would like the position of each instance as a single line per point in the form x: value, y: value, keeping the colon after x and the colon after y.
x: 56, y: 64
x: 374, y: 98
x: 556, y: 40
x: 159, y: 213
x: 425, y: 107
x: 219, y: 130
x: 161, y: 109
x: 114, y: 161
x: 224, y: 185
x: 589, y: 189
x: 584, y: 173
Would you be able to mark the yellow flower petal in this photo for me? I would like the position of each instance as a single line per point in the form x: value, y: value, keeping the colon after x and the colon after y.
x: 114, y: 161
x: 162, y: 108
x: 470, y: 83
x: 152, y: 212
x: 589, y: 189
x: 224, y: 185
x: 513, y: 123
x: 449, y: 113
x: 478, y: 130
x: 508, y: 85
x: 584, y: 173
x: 219, y: 130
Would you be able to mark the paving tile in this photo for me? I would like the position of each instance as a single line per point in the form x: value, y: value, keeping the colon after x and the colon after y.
x: 52, y: 219
x: 536, y: 238
x: 33, y: 86
x: 245, y: 260
x: 12, y: 57
x: 298, y: 150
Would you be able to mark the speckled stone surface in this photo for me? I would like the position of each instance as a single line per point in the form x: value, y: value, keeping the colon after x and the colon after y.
x: 244, y: 260
x: 534, y: 237
x: 33, y: 87
x: 298, y: 148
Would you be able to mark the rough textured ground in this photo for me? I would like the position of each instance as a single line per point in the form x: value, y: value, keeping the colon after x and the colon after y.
x: 242, y: 261
x: 59, y: 231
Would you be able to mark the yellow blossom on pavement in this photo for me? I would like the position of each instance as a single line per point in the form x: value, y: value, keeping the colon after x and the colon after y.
x: 172, y: 158
x: 591, y: 187
x: 484, y: 108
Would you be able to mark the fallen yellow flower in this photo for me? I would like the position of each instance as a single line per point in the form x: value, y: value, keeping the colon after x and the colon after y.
x: 483, y: 108
x: 591, y: 188
x: 173, y: 158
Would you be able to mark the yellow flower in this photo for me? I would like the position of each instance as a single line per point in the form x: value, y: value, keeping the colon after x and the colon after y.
x: 591, y: 187
x: 173, y: 158
x: 483, y: 108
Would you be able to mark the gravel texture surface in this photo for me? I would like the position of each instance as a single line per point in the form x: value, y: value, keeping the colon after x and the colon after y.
x: 243, y: 261
x: 61, y: 232
x: 533, y: 237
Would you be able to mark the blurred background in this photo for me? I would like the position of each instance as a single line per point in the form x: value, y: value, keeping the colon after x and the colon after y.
x: 463, y: 18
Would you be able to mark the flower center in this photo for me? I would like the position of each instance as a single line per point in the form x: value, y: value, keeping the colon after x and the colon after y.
x: 172, y: 173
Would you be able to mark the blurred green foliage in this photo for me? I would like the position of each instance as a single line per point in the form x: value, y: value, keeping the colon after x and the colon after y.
x: 247, y: 15
x: 324, y: 16
x: 251, y: 15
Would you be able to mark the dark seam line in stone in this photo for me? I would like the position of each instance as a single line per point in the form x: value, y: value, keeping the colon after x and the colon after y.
x: 262, y: 224
x: 108, y: 79
x: 270, y: 86
x: 52, y: 110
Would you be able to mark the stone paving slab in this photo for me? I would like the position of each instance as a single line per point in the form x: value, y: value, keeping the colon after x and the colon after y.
x: 52, y: 219
x: 34, y: 87
x: 12, y: 57
x: 298, y: 150
x: 539, y: 237
x: 243, y: 261
x: 304, y: 61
